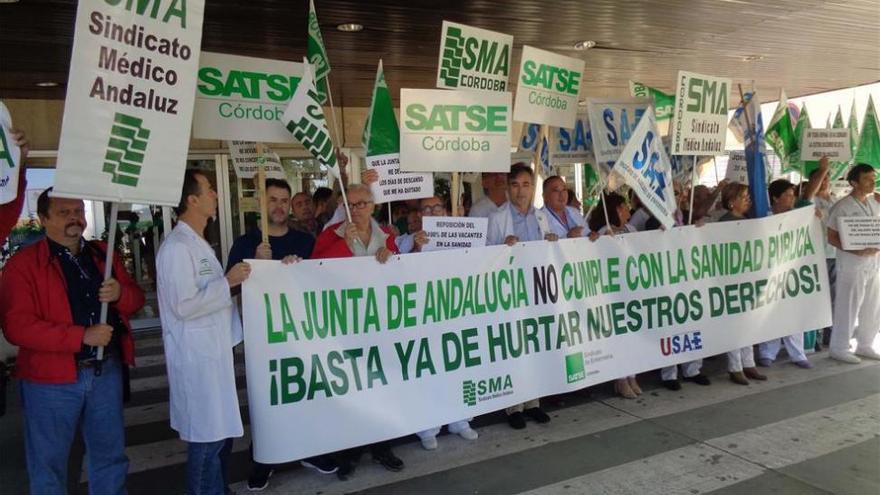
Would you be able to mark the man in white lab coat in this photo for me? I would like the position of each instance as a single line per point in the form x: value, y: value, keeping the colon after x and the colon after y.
x: 200, y: 326
x: 563, y: 220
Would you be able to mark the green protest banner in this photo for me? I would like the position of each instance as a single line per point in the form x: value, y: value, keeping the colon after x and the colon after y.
x: 347, y: 352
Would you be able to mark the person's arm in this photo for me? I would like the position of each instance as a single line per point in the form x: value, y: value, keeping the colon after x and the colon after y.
x: 131, y: 296
x: 9, y: 212
x: 816, y: 182
x: 21, y: 320
x: 187, y: 300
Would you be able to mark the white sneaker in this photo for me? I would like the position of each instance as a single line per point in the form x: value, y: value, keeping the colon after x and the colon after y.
x: 468, y: 433
x: 845, y: 357
x: 868, y: 353
x: 429, y: 443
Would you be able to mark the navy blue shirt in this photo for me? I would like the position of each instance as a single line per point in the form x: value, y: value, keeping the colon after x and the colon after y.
x: 293, y: 242
x: 83, y: 280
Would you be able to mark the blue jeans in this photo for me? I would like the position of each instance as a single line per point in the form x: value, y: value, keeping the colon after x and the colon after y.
x: 52, y: 414
x: 206, y: 467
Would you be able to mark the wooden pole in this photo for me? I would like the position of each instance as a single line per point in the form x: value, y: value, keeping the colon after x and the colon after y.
x: 261, y: 188
x: 455, y: 192
x: 108, y: 269
x: 693, y: 186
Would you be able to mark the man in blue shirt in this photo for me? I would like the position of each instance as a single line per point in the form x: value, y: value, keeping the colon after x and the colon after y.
x: 283, y: 241
x: 289, y: 246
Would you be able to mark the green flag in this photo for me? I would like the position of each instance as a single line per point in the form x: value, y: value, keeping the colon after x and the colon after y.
x: 663, y: 103
x: 853, y: 128
x: 381, y: 133
x: 838, y: 119
x: 304, y: 118
x: 317, y: 53
x: 804, y: 168
x: 869, y: 140
x: 780, y: 132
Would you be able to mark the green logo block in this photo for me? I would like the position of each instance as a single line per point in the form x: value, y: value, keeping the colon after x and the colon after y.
x: 469, y: 392
x: 453, y: 48
x: 574, y: 367
x: 125, y: 150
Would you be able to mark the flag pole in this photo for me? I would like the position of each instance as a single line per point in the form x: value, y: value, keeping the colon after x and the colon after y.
x: 333, y: 111
x: 693, y: 186
x: 454, y: 193
x: 389, y: 214
x: 261, y: 187
x: 108, y: 272
x: 715, y: 165
x: 602, y: 197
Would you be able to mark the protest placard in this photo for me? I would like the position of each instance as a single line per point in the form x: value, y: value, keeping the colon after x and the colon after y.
x: 129, y: 105
x: 547, y: 92
x: 859, y: 232
x: 454, y: 232
x: 699, y: 123
x: 10, y: 158
x: 473, y: 58
x: 245, y: 160
x: 833, y: 143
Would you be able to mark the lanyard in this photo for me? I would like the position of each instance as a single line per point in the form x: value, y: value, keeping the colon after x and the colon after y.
x: 866, y: 208
x: 560, y: 220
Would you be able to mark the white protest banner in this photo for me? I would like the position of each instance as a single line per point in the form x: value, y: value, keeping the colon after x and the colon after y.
x: 473, y: 58
x: 645, y: 168
x: 547, y: 92
x: 10, y: 158
x: 612, y: 122
x: 454, y: 131
x: 394, y: 185
x: 699, y: 123
x: 840, y: 188
x: 833, y: 143
x: 243, y: 155
x: 737, y: 170
x: 348, y: 352
x: 859, y: 232
x: 128, y: 111
x: 454, y: 232
x: 573, y: 145
x: 243, y: 98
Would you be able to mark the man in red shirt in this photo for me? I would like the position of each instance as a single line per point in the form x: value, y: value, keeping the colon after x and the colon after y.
x: 50, y: 302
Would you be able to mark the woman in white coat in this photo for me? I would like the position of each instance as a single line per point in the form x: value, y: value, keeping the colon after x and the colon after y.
x: 200, y: 326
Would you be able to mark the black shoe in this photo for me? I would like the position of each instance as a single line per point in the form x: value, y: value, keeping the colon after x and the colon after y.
x: 516, y: 420
x: 672, y: 384
x: 699, y: 379
x: 388, y: 460
x: 259, y: 478
x: 345, y: 470
x: 321, y: 464
x: 537, y: 414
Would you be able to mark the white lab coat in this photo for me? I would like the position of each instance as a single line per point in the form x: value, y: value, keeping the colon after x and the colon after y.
x: 501, y: 226
x: 572, y: 216
x: 857, y: 301
x: 200, y: 326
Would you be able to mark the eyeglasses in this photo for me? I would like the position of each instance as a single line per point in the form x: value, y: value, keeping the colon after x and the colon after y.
x: 360, y: 205
x: 436, y: 210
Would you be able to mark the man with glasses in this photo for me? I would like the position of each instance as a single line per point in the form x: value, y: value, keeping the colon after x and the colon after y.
x: 50, y: 305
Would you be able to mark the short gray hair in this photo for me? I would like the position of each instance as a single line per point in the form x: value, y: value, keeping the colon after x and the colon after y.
x: 353, y: 188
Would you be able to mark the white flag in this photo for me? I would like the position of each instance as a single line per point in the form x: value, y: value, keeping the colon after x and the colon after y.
x: 644, y: 166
